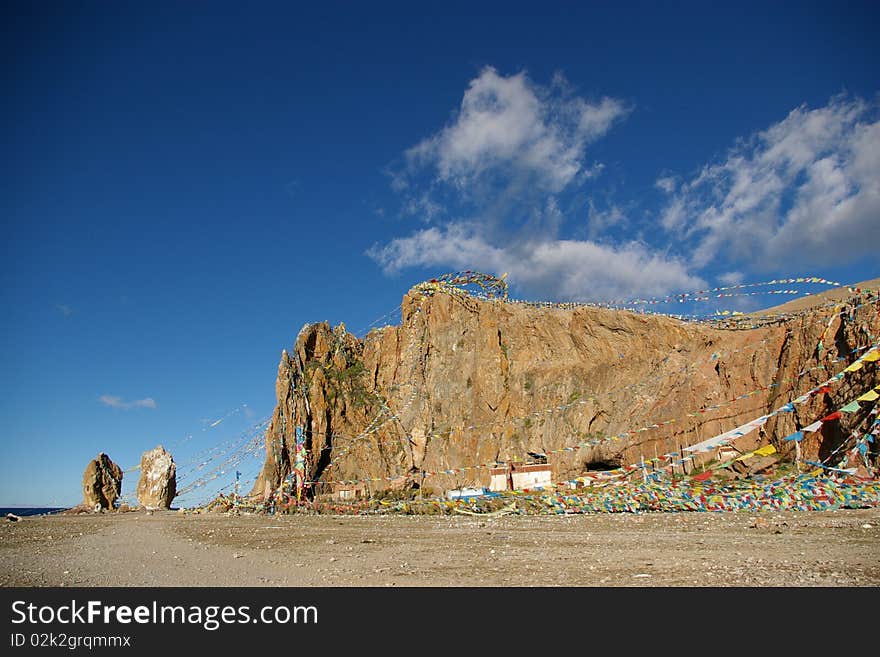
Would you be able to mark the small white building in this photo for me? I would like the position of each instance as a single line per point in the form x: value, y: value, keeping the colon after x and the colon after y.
x: 520, y: 476
x: 499, y: 479
x: 536, y: 475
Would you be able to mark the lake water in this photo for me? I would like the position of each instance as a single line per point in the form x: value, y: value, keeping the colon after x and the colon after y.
x: 29, y: 511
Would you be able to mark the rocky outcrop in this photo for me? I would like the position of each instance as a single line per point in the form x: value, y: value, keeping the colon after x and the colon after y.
x: 461, y: 384
x: 158, y: 483
x: 101, y: 483
x: 323, y: 388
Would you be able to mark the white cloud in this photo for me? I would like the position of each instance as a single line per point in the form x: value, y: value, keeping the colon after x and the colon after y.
x: 591, y: 172
x: 64, y: 309
x: 397, y: 179
x: 594, y: 120
x: 454, y: 246
x: 117, y: 402
x: 807, y: 187
x: 732, y: 278
x: 494, y: 181
x: 423, y: 206
x: 559, y: 269
x: 511, y: 126
x: 599, y: 221
x: 666, y: 183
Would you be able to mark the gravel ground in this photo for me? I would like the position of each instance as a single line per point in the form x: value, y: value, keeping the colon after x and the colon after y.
x: 827, y: 549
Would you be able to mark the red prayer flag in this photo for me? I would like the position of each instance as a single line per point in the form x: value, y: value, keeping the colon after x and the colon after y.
x: 703, y: 476
x: 834, y: 416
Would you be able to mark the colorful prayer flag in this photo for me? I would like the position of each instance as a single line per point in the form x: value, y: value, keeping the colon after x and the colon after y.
x: 868, y: 396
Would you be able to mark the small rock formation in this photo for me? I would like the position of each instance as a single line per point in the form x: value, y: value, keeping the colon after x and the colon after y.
x: 102, y: 483
x: 158, y: 483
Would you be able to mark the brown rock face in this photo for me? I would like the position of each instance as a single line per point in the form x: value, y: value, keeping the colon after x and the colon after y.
x: 459, y: 385
x: 158, y: 483
x: 324, y: 388
x: 101, y: 483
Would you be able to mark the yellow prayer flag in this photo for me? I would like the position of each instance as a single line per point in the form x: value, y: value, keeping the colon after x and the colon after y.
x: 855, y: 367
x: 766, y: 450
x: 872, y: 356
x: 816, y: 472
x: 868, y: 396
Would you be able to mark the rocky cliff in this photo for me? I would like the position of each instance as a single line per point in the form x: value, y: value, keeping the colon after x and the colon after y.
x: 465, y: 381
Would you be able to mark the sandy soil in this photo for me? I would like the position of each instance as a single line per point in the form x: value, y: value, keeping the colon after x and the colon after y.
x: 834, y: 548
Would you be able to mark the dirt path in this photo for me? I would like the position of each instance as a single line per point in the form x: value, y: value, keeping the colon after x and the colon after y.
x: 835, y: 548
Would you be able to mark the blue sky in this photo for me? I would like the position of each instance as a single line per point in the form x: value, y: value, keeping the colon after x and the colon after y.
x: 183, y: 189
